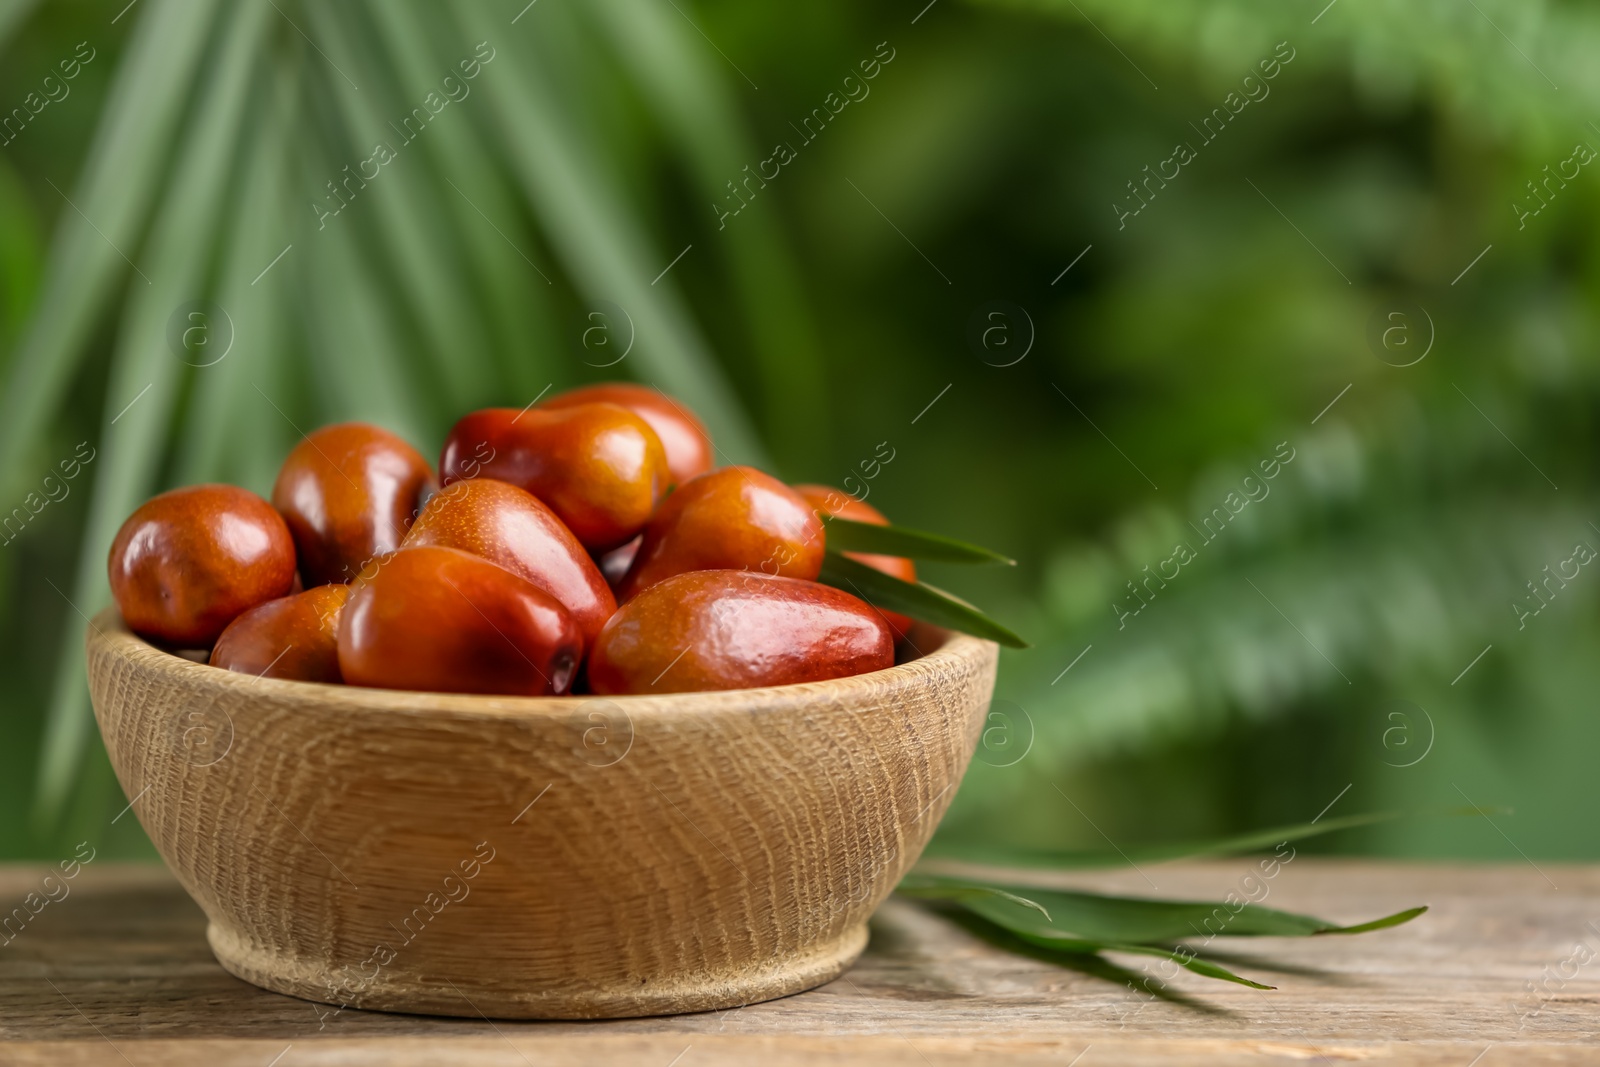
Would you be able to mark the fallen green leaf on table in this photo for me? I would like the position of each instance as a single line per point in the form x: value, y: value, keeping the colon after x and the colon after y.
x: 1078, y: 922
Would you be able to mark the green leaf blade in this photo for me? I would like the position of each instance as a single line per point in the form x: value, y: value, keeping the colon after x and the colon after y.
x: 1015, y: 914
x: 936, y: 889
x: 847, y: 535
x: 1399, y: 918
x: 1204, y: 968
x: 912, y: 598
x: 602, y: 239
x: 117, y: 187
x: 1133, y: 920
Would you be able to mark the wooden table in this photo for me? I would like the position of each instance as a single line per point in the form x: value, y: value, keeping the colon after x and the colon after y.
x: 1504, y: 970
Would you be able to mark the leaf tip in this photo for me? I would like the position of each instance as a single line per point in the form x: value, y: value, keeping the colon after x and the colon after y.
x: 1399, y: 918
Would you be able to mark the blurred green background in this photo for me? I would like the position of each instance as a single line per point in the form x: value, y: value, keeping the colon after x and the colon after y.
x: 1383, y: 265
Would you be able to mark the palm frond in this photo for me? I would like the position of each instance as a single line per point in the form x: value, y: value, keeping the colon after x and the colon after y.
x: 88, y: 263
x: 145, y: 374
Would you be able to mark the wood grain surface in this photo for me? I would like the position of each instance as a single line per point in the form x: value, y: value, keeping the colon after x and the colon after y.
x: 537, y: 857
x: 118, y: 972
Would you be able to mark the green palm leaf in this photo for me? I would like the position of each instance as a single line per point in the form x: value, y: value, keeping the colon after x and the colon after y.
x: 127, y: 160
x: 916, y: 599
x: 146, y: 375
x: 604, y: 250
x: 663, y: 53
x: 12, y: 14
x: 845, y: 535
x: 511, y: 274
x: 1077, y: 923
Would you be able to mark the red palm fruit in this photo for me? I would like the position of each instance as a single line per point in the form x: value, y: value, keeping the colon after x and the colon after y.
x: 188, y: 562
x: 513, y: 528
x: 683, y: 436
x: 294, y: 637
x: 733, y: 630
x: 442, y: 620
x: 735, y: 518
x: 599, y: 467
x: 349, y: 493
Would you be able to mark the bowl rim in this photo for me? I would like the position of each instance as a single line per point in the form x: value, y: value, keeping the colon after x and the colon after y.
x: 955, y: 654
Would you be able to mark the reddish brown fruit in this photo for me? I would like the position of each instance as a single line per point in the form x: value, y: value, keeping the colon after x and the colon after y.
x: 294, y: 637
x: 442, y: 620
x: 683, y: 436
x: 349, y: 493
x: 736, y: 630
x: 841, y: 505
x: 599, y: 467
x: 188, y: 562
x: 736, y: 518
x: 513, y: 528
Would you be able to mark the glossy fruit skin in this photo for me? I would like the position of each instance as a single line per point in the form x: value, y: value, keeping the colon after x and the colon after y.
x: 683, y: 435
x: 294, y: 637
x: 736, y: 630
x: 614, y: 564
x: 188, y: 562
x: 513, y: 528
x: 348, y: 492
x: 599, y: 467
x: 839, y: 504
x: 445, y: 621
x: 735, y: 518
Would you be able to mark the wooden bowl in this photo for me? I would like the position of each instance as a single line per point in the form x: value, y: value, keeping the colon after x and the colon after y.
x: 558, y: 857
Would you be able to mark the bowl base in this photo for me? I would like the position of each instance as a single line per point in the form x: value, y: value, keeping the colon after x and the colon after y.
x: 472, y: 995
